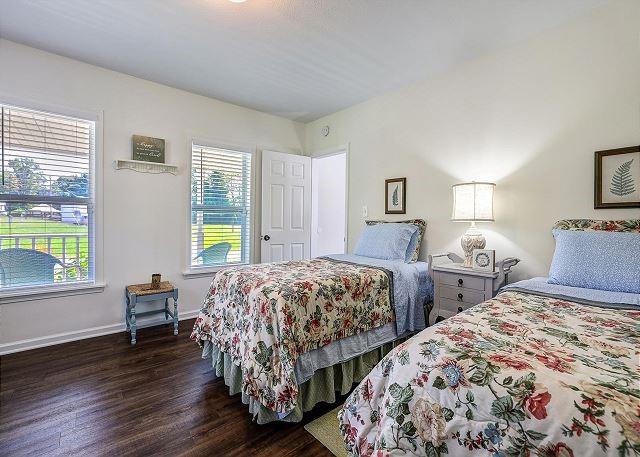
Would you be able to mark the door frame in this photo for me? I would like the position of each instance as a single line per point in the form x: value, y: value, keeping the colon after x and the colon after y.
x: 340, y: 149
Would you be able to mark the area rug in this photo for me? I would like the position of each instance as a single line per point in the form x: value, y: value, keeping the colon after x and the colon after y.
x: 327, y: 430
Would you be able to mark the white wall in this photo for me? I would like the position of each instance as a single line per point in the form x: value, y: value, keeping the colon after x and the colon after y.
x: 145, y: 216
x: 328, y: 195
x: 528, y: 118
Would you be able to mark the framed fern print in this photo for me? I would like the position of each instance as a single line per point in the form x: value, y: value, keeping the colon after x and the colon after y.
x: 395, y: 196
x: 617, y: 178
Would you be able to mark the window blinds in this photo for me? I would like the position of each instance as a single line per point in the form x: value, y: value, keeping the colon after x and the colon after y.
x: 46, y: 198
x: 220, y: 206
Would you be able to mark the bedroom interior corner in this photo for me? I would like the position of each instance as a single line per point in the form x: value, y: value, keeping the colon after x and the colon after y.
x: 522, y: 118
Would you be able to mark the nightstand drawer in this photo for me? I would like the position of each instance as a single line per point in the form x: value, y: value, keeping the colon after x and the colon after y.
x: 457, y: 280
x: 452, y: 306
x: 462, y: 294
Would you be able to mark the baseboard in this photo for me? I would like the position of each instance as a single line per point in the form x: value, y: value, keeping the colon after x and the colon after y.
x: 59, y: 338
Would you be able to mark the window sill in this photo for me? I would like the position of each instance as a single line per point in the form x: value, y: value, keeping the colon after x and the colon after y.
x: 208, y: 271
x: 45, y: 292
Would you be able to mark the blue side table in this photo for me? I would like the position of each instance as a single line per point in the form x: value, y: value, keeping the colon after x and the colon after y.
x: 138, y: 293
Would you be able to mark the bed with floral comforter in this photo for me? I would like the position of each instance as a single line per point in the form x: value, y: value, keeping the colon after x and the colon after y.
x: 265, y: 316
x: 521, y: 374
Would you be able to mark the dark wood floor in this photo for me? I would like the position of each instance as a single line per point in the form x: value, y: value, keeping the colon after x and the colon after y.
x: 101, y: 396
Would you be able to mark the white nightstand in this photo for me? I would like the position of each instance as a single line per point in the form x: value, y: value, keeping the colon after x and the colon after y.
x: 457, y: 288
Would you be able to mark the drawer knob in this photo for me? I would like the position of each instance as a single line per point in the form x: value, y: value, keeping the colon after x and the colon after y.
x: 460, y: 296
x: 460, y: 281
x: 459, y: 309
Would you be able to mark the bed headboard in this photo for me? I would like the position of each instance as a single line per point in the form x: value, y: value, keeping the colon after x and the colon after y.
x: 628, y: 225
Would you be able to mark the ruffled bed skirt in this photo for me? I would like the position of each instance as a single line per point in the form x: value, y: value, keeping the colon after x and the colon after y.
x: 322, y: 386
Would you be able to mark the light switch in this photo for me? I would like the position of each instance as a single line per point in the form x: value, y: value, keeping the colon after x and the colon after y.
x: 365, y: 211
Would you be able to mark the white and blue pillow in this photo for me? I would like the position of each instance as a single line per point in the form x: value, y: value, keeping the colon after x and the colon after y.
x: 597, y: 260
x: 385, y: 241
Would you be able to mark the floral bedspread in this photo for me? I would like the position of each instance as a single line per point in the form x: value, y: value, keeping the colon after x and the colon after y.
x: 265, y: 316
x: 519, y: 375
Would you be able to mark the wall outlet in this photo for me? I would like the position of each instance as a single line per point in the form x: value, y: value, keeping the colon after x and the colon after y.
x: 365, y: 211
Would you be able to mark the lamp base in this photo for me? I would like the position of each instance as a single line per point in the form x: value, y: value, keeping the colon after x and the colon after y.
x: 472, y: 239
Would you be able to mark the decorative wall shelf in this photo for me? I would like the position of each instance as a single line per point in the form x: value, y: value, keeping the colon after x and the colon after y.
x: 144, y: 167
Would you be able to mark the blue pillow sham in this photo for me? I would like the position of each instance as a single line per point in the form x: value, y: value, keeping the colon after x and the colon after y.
x: 385, y: 241
x: 597, y: 260
x: 413, y: 251
x: 413, y: 244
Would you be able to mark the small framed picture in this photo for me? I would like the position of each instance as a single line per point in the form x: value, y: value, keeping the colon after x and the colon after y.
x: 617, y: 178
x: 484, y: 260
x: 395, y: 196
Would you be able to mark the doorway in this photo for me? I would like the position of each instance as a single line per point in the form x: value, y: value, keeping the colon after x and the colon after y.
x: 329, y: 202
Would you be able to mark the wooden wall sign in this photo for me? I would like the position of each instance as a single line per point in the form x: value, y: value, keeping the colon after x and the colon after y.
x: 147, y: 149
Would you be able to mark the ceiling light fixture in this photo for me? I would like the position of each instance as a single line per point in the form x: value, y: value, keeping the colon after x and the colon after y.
x: 237, y: 1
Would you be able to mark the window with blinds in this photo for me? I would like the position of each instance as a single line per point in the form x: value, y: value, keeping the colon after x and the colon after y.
x: 220, y: 206
x: 46, y: 199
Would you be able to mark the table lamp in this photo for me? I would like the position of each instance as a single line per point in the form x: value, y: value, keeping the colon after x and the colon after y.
x: 472, y: 202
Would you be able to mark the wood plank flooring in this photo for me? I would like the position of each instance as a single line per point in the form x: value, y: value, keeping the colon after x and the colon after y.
x: 103, y: 397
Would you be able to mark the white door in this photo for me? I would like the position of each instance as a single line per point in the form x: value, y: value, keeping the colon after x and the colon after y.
x: 286, y: 207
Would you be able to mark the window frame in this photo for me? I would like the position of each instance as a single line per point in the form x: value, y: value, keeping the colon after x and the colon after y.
x: 198, y: 271
x: 95, y: 227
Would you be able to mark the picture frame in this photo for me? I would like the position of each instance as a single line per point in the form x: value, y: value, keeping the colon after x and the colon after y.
x: 617, y: 178
x: 483, y: 260
x: 395, y: 196
x: 147, y: 149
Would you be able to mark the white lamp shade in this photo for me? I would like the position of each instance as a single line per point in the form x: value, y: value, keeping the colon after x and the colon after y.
x: 473, y: 202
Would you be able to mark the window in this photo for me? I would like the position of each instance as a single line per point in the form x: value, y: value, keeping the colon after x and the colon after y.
x: 220, y: 206
x: 46, y: 199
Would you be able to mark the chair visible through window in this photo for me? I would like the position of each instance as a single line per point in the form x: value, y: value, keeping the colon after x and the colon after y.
x: 215, y: 254
x: 19, y: 267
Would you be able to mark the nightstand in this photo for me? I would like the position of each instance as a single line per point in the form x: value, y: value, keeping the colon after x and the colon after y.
x: 457, y: 288
x: 138, y: 293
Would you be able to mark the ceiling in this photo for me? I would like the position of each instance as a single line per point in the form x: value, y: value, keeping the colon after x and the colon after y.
x: 300, y: 59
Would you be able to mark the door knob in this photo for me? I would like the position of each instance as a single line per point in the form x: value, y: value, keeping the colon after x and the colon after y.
x: 266, y: 237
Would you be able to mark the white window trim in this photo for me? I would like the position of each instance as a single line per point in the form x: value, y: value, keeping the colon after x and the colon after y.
x: 98, y: 283
x: 19, y: 294
x: 199, y: 272
x: 191, y: 271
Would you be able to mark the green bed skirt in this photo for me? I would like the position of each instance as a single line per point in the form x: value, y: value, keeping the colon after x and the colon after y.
x: 321, y: 387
